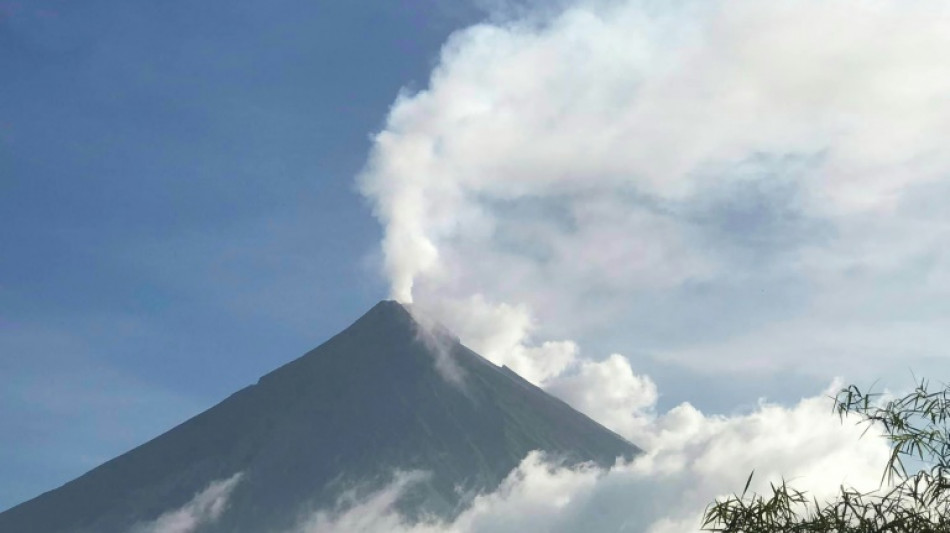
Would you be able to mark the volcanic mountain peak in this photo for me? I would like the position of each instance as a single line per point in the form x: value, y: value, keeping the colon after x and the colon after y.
x: 370, y: 401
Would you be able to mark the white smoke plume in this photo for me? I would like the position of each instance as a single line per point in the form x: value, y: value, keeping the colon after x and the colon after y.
x: 736, y: 188
x: 748, y: 167
x: 206, y: 507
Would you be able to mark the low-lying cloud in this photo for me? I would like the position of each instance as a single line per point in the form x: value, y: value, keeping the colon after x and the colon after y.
x: 691, y: 459
x: 206, y: 507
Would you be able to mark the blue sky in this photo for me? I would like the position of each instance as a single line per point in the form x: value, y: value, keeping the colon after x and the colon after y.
x: 178, y: 207
x: 669, y: 215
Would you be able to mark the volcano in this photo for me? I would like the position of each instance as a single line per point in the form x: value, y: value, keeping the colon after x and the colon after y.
x: 384, y: 396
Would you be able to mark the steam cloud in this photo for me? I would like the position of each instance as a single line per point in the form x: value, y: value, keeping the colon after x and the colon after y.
x: 768, y: 171
x: 737, y: 188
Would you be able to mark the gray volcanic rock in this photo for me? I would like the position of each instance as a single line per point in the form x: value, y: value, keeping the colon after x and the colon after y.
x: 368, y: 402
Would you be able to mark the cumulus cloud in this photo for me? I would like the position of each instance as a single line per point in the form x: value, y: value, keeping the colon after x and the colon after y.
x: 692, y: 459
x: 206, y: 507
x: 609, y: 392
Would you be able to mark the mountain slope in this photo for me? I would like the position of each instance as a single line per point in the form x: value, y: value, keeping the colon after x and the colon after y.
x: 369, y: 401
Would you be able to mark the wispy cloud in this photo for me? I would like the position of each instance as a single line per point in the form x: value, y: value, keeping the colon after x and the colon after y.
x: 206, y: 507
x: 375, y: 512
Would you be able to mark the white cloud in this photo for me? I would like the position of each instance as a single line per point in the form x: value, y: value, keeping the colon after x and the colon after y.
x: 502, y: 334
x: 206, y: 507
x: 374, y: 513
x: 608, y: 391
x: 732, y: 164
x: 692, y: 459
x: 737, y: 188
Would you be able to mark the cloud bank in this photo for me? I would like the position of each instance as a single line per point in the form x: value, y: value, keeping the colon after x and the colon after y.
x: 692, y: 458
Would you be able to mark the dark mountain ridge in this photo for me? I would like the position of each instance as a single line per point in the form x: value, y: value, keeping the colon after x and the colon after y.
x: 369, y: 401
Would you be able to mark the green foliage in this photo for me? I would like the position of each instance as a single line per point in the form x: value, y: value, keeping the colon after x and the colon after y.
x: 909, y: 500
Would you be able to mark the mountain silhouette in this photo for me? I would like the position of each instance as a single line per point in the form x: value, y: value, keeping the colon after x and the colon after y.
x: 386, y: 395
